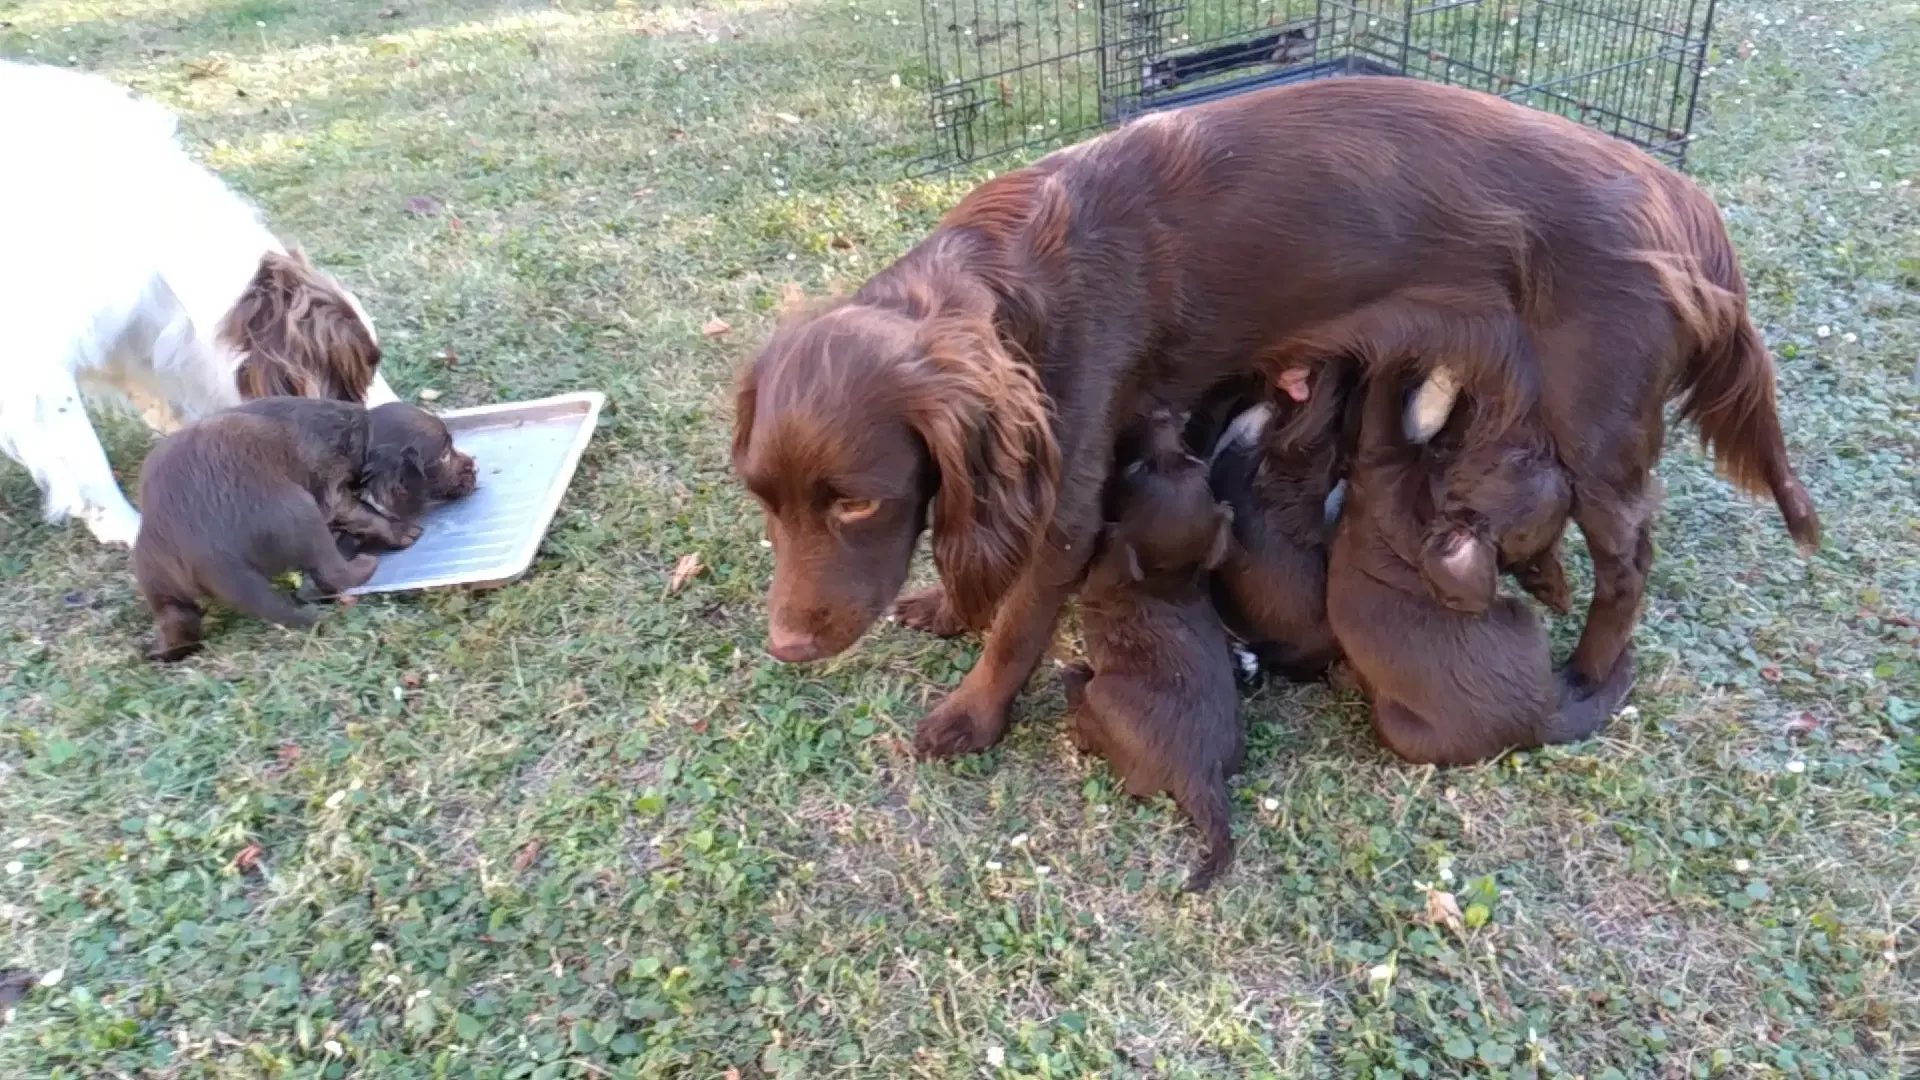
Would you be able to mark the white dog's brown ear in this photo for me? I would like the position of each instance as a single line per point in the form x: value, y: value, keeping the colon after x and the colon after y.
x: 299, y: 334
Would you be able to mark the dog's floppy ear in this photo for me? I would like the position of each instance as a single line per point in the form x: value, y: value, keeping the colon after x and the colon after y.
x: 986, y: 423
x: 395, y: 480
x: 299, y: 334
x: 745, y: 399
x: 1222, y: 535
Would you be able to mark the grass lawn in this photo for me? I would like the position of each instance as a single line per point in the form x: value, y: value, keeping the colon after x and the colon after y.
x: 583, y: 827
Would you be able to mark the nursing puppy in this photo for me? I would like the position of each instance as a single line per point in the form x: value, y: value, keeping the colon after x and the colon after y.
x: 238, y: 499
x: 131, y: 275
x: 1456, y: 673
x: 1158, y: 699
x: 1280, y: 465
x: 1501, y: 507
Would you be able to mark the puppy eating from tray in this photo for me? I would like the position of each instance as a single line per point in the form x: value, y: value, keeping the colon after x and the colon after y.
x: 235, y: 500
x: 411, y: 466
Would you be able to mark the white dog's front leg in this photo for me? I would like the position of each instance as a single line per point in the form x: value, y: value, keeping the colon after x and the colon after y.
x: 49, y: 432
x: 379, y: 393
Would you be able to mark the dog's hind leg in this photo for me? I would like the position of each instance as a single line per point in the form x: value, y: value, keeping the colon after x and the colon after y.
x: 176, y: 630
x: 44, y: 426
x: 248, y: 591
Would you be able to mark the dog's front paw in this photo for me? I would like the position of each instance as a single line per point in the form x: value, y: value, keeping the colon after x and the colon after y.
x: 928, y: 610
x: 405, y: 533
x: 113, y: 527
x: 959, y: 726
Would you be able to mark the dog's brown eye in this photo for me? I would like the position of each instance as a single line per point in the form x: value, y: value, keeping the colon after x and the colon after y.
x: 848, y: 511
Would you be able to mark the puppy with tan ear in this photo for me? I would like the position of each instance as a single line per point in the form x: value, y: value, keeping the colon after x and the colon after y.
x: 1158, y: 699
x: 242, y: 497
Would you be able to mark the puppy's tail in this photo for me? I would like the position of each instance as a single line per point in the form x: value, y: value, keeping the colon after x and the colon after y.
x: 1727, y: 385
x: 250, y: 593
x: 1211, y: 814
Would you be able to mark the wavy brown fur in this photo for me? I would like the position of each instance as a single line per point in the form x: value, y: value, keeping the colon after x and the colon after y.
x: 299, y: 335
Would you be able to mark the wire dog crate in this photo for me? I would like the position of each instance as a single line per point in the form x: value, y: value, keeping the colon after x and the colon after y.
x: 1010, y: 75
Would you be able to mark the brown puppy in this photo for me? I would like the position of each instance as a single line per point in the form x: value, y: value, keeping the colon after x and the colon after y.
x: 1279, y: 465
x: 233, y: 501
x: 1447, y: 688
x: 1501, y: 507
x: 410, y: 465
x: 1158, y: 700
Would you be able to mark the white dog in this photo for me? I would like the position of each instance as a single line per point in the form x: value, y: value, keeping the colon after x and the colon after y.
x: 131, y: 274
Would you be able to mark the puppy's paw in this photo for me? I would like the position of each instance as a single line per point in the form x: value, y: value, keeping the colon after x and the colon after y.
x: 405, y: 533
x: 927, y: 610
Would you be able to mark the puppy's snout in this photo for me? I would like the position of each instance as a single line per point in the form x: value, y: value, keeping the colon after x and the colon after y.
x: 790, y: 646
x: 463, y: 475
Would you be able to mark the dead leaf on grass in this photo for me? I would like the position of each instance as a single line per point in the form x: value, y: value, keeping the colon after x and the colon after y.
x: 526, y: 857
x: 248, y: 856
x: 424, y: 206
x: 685, y: 570
x: 204, y: 68
x: 1804, y: 724
x: 1442, y: 908
x: 715, y: 328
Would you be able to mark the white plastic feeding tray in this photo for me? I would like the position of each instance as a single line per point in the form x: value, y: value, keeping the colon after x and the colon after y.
x: 524, y: 454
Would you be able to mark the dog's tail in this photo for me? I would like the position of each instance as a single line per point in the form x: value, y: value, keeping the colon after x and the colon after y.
x: 249, y: 592
x: 1211, y: 814
x: 1727, y: 386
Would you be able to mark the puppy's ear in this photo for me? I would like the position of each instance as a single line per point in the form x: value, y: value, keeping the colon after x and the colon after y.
x: 396, y: 480
x: 1222, y: 535
x: 986, y: 423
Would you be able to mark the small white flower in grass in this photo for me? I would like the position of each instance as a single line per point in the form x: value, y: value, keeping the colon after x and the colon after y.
x: 1270, y: 804
x: 23, y: 843
x: 996, y: 1056
x: 1630, y: 712
x: 53, y: 978
x: 333, y: 1048
x: 1873, y: 185
x: 1043, y: 871
x: 1019, y: 841
x: 1823, y: 332
x: 393, y: 980
x: 334, y: 800
x: 1741, y: 866
x: 1796, y: 767
x: 1103, y: 808
x: 1839, y: 176
x: 1883, y: 152
x: 15, y: 867
x: 995, y: 865
x: 1849, y: 337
